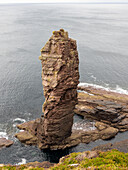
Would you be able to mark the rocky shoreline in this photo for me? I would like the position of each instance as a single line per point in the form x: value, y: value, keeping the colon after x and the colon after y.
x: 5, y: 142
x: 107, y: 110
x: 54, y: 130
x: 121, y: 146
x: 105, y: 106
x: 73, y: 160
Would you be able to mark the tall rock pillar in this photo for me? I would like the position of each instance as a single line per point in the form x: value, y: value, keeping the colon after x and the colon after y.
x: 60, y: 77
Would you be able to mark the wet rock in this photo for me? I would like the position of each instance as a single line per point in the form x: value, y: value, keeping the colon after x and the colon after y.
x: 26, y: 137
x: 5, y: 142
x: 122, y: 146
x: 104, y: 106
x: 101, y: 126
x: 101, y: 131
x: 108, y: 133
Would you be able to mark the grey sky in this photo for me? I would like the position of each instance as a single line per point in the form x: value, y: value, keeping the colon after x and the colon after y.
x: 63, y: 1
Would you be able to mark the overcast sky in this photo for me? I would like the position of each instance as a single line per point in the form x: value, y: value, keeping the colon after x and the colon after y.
x: 63, y: 1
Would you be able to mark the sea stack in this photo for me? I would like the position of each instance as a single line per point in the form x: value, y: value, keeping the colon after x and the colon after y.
x: 60, y: 77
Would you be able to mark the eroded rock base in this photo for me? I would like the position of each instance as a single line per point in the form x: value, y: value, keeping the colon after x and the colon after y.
x: 107, y: 110
x: 29, y: 135
x: 5, y: 142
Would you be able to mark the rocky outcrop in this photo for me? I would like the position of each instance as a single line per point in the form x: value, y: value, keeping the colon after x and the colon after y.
x: 5, y: 142
x: 60, y: 77
x: 107, y: 111
x: 122, y: 146
x: 82, y: 156
x: 101, y: 131
x: 104, y: 106
x: 88, y: 160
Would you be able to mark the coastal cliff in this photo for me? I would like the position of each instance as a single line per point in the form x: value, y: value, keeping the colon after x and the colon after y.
x: 94, y: 160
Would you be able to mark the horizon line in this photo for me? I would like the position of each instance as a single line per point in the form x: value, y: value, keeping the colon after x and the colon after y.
x: 64, y: 3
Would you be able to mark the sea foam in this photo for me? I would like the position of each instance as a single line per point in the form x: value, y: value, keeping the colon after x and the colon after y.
x: 84, y: 125
x: 3, y: 135
x: 117, y: 89
x: 18, y: 121
x: 23, y: 161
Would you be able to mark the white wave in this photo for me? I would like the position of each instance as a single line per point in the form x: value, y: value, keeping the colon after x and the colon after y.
x: 18, y: 121
x: 84, y: 125
x: 82, y: 91
x: 118, y: 89
x: 23, y: 161
x: 3, y: 135
x: 28, y: 114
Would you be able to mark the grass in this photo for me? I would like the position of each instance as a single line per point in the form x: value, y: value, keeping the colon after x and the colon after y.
x: 110, y: 160
x: 106, y: 160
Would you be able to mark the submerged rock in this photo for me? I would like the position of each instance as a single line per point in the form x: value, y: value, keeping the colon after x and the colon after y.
x: 5, y: 142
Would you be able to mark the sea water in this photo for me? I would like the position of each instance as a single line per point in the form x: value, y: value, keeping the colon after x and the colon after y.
x: 101, y: 31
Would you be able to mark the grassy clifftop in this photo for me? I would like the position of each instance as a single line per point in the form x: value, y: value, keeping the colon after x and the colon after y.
x: 105, y: 160
x: 86, y: 160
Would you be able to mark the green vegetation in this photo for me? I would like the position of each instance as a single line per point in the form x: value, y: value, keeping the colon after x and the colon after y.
x: 106, y: 160
x: 110, y: 160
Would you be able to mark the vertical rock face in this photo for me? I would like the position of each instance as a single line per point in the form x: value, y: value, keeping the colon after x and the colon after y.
x: 60, y: 77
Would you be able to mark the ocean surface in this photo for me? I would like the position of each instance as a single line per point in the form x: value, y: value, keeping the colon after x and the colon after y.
x: 101, y: 31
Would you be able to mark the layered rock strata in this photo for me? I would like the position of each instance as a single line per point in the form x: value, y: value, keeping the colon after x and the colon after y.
x: 101, y: 131
x: 107, y: 110
x: 5, y: 142
x: 121, y: 146
x: 105, y: 106
x: 60, y: 77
